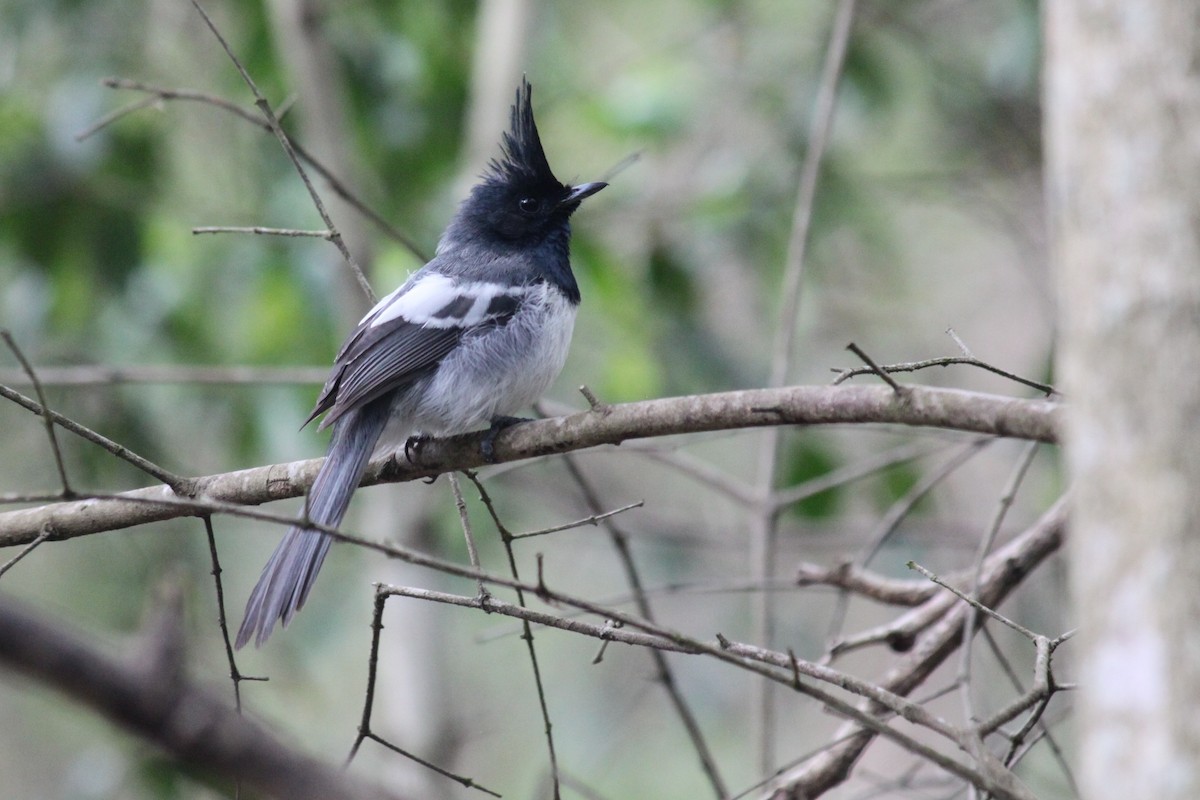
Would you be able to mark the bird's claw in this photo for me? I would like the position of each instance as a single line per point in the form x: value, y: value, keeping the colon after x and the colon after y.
x: 412, y: 452
x: 413, y: 446
x: 488, y: 446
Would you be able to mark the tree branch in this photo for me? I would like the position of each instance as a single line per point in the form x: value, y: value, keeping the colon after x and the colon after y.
x: 1005, y: 570
x: 149, y: 695
x: 796, y: 405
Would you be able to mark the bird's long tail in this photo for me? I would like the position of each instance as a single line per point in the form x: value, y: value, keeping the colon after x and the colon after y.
x: 289, y: 574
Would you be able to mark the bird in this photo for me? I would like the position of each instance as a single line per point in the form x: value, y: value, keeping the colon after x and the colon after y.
x: 473, y: 336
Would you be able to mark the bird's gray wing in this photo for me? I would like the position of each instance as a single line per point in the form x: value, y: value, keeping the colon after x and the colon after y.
x: 407, y: 334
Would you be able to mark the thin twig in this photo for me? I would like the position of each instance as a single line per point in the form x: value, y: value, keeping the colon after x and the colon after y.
x: 971, y: 601
x: 9, y: 498
x: 364, y: 725
x: 910, y: 451
x: 824, y: 105
x: 1044, y: 733
x: 1035, y: 719
x: 460, y: 779
x: 1042, y: 690
x: 764, y: 528
x: 966, y: 351
x: 665, y: 675
x: 527, y: 631
x: 235, y: 675
x: 45, y: 414
x: 896, y: 514
x: 339, y: 188
x: 464, y: 519
x: 774, y: 666
x: 902, y: 507
x: 971, y: 622
x: 178, y: 484
x: 622, y: 165
x: 914, y: 366
x: 594, y: 519
x: 700, y: 471
x: 113, y: 116
x: 261, y: 231
x: 875, y: 368
x: 593, y: 402
x: 101, y: 375
x: 162, y: 93
x: 264, y: 108
x: 24, y: 551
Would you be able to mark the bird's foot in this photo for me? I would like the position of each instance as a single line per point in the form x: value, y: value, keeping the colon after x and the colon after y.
x: 412, y: 451
x: 413, y: 446
x: 488, y: 446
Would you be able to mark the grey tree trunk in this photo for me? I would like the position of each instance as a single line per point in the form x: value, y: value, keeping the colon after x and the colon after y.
x: 1122, y: 101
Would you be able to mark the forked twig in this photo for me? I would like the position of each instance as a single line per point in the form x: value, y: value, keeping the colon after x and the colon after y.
x: 264, y: 108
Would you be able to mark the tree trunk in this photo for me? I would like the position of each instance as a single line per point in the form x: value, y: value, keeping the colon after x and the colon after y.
x: 1122, y: 103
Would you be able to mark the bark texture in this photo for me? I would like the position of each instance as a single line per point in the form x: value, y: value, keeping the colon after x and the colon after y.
x: 1123, y: 148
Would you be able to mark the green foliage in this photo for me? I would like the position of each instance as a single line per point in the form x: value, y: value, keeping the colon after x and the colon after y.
x: 805, y: 459
x: 895, y: 482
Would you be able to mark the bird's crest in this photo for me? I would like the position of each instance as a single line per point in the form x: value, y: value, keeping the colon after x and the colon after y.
x: 523, y: 159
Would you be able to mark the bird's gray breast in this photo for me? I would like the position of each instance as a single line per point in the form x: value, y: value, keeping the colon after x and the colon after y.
x: 495, y: 371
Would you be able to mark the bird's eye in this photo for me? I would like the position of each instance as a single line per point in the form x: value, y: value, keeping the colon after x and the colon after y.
x: 529, y: 205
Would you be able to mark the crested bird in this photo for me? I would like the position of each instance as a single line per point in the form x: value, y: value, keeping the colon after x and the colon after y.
x: 472, y: 337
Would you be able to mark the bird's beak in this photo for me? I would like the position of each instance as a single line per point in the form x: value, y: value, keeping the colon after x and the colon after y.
x: 583, y: 190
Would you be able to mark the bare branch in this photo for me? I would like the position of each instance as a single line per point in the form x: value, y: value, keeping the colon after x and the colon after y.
x: 464, y: 520
x: 915, y: 366
x: 261, y: 231
x: 975, y: 604
x: 764, y: 525
x: 235, y: 675
x: 755, y: 660
x: 138, y: 373
x: 796, y: 405
x: 896, y: 514
x: 1005, y: 570
x: 27, y: 368
x: 339, y: 188
x: 593, y: 520
x: 119, y: 450
x: 854, y: 578
x: 665, y: 675
x: 264, y: 108
x: 151, y: 697
x: 364, y: 726
x: 24, y: 551
x: 971, y: 623
x: 506, y: 539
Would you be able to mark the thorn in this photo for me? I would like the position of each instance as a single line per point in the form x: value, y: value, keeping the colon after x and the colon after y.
x: 878, y: 370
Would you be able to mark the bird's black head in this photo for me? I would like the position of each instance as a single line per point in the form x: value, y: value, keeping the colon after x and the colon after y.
x: 520, y: 202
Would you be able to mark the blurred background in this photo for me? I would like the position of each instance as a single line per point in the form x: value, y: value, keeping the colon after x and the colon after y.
x: 928, y: 216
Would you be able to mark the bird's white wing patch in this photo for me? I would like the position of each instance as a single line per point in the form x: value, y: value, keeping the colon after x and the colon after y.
x: 436, y: 301
x: 416, y: 302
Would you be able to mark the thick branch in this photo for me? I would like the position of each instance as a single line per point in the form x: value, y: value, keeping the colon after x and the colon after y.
x: 150, y: 697
x: 796, y: 405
